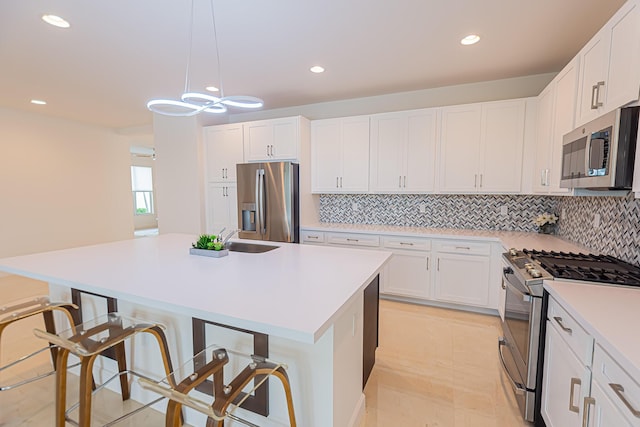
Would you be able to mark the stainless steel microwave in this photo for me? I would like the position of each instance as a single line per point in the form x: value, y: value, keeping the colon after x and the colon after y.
x: 600, y: 155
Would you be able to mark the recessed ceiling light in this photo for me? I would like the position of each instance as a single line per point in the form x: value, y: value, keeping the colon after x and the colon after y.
x: 38, y: 102
x: 212, y: 89
x: 470, y: 39
x: 56, y: 21
x: 316, y: 69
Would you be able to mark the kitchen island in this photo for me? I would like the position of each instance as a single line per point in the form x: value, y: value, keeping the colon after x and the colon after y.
x: 308, y: 300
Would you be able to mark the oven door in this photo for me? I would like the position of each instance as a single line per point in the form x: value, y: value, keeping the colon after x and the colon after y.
x: 518, y: 349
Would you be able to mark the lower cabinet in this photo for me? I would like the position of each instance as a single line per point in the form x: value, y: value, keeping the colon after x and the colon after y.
x: 583, y: 385
x: 408, y: 272
x: 462, y: 272
x: 222, y: 207
x: 452, y: 271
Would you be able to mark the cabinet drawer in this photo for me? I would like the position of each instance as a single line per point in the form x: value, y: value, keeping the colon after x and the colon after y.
x: 462, y: 247
x: 409, y: 243
x: 623, y: 391
x: 353, y: 239
x: 312, y: 236
x: 575, y: 336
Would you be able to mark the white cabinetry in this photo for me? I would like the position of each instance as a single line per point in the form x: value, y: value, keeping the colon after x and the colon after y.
x: 462, y: 272
x: 609, y: 75
x: 340, y: 155
x: 567, y: 376
x: 408, y: 272
x: 271, y: 140
x: 223, y: 150
x: 481, y: 147
x: 403, y: 151
x: 556, y: 117
x: 222, y: 206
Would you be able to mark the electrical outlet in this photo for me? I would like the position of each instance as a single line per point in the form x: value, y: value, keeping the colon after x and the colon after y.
x: 355, y: 206
x: 563, y: 213
x: 504, y: 210
x: 423, y: 208
x: 596, y: 221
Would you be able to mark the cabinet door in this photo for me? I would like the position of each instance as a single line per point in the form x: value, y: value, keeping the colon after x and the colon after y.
x: 564, y: 114
x: 623, y: 80
x: 462, y: 279
x: 258, y: 139
x: 544, y: 138
x: 222, y: 209
x: 408, y: 274
x: 355, y: 155
x: 565, y: 382
x: 502, y: 141
x: 420, y: 155
x: 326, y: 155
x: 285, y: 139
x: 460, y: 148
x: 603, y: 413
x: 223, y: 150
x: 593, y: 60
x: 388, y: 145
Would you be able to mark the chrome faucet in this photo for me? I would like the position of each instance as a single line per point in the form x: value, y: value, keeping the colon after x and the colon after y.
x: 229, y: 236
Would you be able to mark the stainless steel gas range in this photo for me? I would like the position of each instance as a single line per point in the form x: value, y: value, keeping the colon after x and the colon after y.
x: 521, y: 349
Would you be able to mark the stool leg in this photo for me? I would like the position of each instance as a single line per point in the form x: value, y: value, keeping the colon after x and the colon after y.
x: 61, y: 386
x: 121, y: 358
x: 50, y: 326
x: 86, y: 382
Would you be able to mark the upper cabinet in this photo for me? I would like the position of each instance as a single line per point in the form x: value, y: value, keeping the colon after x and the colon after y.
x: 609, y: 73
x: 481, y: 147
x: 403, y: 151
x: 270, y: 140
x: 340, y: 155
x: 223, y: 149
x: 556, y: 117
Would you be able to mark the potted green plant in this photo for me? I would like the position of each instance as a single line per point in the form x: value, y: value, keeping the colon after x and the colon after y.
x: 209, y: 245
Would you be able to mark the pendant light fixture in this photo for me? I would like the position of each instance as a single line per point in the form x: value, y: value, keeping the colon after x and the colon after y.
x: 192, y: 103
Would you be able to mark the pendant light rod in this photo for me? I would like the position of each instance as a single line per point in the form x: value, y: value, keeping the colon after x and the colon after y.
x: 192, y: 103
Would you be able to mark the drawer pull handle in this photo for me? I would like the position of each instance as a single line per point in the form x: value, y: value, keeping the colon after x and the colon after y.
x: 558, y: 320
x: 353, y: 240
x: 619, y: 390
x: 312, y: 237
x: 466, y: 248
x: 406, y: 243
x: 572, y: 387
x: 585, y: 410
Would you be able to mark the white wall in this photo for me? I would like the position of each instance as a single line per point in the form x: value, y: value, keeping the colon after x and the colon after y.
x: 62, y: 184
x: 178, y: 175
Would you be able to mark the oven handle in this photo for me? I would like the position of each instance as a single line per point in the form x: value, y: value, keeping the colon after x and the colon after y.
x: 519, y: 388
x: 508, y: 270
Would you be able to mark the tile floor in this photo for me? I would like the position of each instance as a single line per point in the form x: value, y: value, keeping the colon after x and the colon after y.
x: 434, y: 368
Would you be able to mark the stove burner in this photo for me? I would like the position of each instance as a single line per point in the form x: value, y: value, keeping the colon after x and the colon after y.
x: 588, y: 267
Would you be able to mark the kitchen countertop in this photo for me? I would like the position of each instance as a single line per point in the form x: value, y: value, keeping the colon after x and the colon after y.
x: 294, y: 291
x: 509, y: 239
x: 608, y: 313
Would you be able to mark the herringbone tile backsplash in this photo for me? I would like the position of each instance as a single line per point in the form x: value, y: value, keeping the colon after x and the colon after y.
x: 618, y: 234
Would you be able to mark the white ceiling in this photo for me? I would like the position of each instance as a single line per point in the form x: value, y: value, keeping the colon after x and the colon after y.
x: 119, y: 54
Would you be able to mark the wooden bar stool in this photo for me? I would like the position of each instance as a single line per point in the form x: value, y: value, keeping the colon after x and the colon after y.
x: 26, y: 308
x: 89, y: 340
x: 226, y: 398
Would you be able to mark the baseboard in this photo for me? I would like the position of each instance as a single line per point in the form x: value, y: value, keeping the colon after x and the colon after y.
x: 357, y: 417
x: 461, y: 307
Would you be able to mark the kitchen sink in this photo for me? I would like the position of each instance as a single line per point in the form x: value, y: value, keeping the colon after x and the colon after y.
x: 251, y: 248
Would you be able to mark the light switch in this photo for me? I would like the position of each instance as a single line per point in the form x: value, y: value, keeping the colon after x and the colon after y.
x: 596, y: 221
x: 423, y: 208
x: 504, y: 210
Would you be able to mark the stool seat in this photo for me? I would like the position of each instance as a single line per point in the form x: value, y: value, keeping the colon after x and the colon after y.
x: 26, y: 308
x: 210, y: 364
x: 87, y: 341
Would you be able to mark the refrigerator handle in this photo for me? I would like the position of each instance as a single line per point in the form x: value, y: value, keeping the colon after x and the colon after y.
x: 260, y: 200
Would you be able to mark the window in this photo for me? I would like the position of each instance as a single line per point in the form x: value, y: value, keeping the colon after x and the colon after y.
x: 142, y: 187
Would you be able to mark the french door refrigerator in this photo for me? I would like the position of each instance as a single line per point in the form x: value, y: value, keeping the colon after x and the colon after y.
x: 268, y: 206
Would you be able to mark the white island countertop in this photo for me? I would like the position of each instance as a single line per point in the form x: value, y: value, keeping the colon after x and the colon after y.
x: 294, y: 291
x: 608, y: 313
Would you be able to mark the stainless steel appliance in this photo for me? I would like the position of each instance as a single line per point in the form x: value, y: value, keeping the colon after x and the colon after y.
x: 268, y: 205
x: 521, y: 349
x: 601, y: 154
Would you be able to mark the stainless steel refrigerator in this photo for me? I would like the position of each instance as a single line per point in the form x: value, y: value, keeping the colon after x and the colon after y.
x: 268, y: 205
